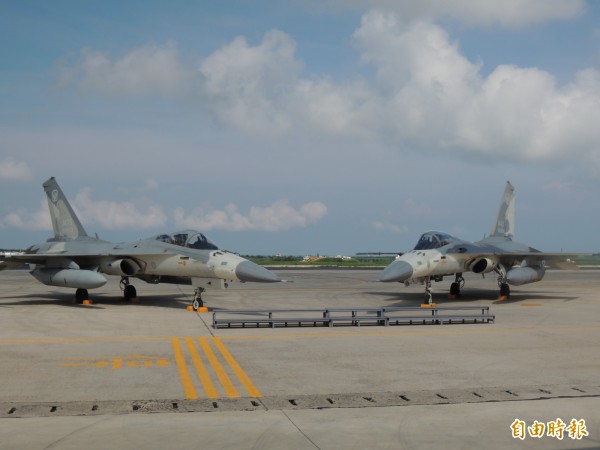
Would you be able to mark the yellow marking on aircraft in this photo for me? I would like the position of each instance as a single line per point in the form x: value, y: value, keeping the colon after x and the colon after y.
x: 184, y: 374
x: 239, y: 372
x: 230, y: 389
x: 207, y: 384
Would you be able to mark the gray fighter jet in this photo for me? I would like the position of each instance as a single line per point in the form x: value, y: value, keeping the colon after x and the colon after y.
x: 438, y: 254
x: 75, y: 260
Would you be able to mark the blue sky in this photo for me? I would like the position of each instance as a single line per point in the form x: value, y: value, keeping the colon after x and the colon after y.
x: 302, y: 127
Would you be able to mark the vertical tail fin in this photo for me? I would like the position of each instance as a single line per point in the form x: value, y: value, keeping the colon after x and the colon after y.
x: 505, y: 220
x: 64, y: 221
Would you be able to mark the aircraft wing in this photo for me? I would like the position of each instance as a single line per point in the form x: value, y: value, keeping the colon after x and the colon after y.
x: 510, y: 258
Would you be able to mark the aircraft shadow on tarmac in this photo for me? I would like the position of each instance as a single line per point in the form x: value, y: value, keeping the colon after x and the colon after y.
x: 99, y: 301
x: 472, y: 295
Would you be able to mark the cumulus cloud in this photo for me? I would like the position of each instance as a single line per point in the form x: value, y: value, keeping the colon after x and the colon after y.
x: 27, y: 220
x: 249, y: 84
x: 279, y: 216
x: 13, y: 170
x: 117, y: 215
x: 145, y: 70
x: 425, y: 94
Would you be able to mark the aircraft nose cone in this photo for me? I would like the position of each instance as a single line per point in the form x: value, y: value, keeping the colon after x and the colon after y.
x: 248, y: 271
x: 396, y: 271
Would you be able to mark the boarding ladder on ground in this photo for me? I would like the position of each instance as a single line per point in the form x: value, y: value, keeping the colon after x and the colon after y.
x: 329, y: 317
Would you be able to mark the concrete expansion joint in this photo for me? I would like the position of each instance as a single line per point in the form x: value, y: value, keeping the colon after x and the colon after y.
x: 300, y: 402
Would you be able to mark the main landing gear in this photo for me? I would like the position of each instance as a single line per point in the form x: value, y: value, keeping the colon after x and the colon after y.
x: 81, y: 295
x: 197, y: 302
x: 129, y: 292
x: 459, y: 283
x: 502, y: 284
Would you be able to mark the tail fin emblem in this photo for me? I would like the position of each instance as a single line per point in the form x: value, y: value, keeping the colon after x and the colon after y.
x: 54, y: 196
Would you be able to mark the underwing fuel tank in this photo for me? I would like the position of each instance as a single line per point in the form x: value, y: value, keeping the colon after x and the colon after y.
x: 73, y: 278
x: 524, y: 275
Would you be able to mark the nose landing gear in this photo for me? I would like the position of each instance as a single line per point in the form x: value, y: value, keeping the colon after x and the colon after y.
x: 197, y: 302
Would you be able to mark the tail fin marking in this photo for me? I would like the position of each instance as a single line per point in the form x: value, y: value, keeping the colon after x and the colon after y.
x: 505, y: 220
x: 64, y: 221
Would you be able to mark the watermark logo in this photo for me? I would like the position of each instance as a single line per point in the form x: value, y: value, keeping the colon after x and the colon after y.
x: 576, y: 429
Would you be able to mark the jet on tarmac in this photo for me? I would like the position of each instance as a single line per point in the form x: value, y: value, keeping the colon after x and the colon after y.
x: 75, y: 260
x: 439, y: 254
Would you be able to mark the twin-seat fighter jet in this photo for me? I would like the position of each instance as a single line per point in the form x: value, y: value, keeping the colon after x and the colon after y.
x: 438, y: 254
x: 75, y: 260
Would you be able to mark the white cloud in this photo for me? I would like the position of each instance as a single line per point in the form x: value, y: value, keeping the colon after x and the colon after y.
x: 425, y: 95
x: 279, y: 216
x: 117, y: 215
x: 249, y: 85
x: 26, y: 220
x: 510, y: 13
x: 13, y: 170
x: 145, y: 70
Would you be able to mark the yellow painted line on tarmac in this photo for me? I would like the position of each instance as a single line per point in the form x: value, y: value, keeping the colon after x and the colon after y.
x: 184, y: 374
x: 230, y: 389
x: 239, y: 372
x: 207, y: 384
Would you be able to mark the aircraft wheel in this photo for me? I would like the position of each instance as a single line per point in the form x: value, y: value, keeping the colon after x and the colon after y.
x: 428, y: 297
x: 504, y: 290
x: 81, y: 295
x: 129, y: 292
x: 455, y: 289
x: 197, y: 303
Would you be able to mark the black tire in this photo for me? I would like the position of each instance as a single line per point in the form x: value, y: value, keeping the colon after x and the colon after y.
x: 81, y: 295
x: 455, y: 289
x: 504, y: 290
x: 129, y: 292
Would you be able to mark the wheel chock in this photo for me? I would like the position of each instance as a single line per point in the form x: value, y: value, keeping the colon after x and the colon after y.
x: 87, y: 302
x: 502, y: 297
x: 200, y: 309
x: 427, y: 305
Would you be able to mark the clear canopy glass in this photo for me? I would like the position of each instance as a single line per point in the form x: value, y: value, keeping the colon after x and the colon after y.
x: 188, y: 238
x: 433, y: 239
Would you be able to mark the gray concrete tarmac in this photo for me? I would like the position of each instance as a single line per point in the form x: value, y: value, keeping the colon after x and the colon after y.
x: 152, y: 374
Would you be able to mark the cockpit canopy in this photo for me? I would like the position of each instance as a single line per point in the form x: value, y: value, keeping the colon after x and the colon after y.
x: 188, y: 238
x: 433, y: 239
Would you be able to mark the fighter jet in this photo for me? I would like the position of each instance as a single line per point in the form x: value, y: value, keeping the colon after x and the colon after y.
x: 75, y: 260
x: 438, y: 254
